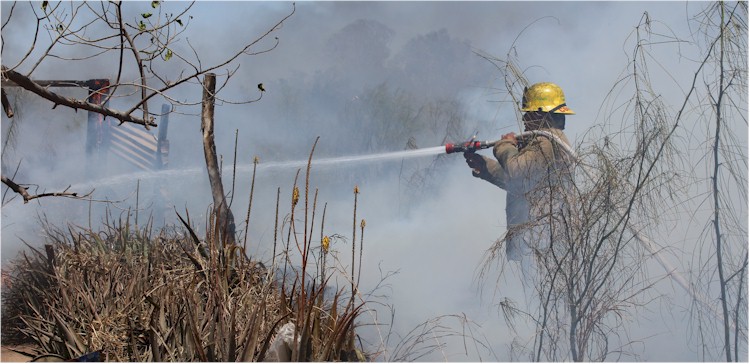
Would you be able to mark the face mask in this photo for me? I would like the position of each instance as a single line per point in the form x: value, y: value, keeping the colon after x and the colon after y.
x: 536, y: 120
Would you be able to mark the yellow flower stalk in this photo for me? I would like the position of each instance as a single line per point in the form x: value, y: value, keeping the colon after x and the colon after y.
x: 295, y: 196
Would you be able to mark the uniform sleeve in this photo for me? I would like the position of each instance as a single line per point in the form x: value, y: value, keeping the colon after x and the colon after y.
x: 495, y: 173
x: 531, y: 159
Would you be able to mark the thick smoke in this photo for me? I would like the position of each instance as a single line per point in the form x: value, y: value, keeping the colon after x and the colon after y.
x: 365, y: 77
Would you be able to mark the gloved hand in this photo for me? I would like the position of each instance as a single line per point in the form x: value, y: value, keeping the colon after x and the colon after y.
x: 477, y: 163
x: 511, y: 137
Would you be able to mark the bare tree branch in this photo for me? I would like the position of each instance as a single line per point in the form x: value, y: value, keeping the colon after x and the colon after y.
x: 138, y: 61
x: 28, y: 197
x: 6, y: 105
x: 43, y: 92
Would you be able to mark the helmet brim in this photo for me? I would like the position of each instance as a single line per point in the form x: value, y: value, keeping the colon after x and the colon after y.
x: 564, y: 110
x: 561, y: 110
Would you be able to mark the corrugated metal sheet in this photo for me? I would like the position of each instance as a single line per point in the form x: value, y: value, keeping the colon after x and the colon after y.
x: 134, y: 145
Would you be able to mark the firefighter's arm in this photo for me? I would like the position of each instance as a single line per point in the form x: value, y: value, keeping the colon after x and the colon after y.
x: 495, y: 173
x: 486, y: 169
x: 529, y: 159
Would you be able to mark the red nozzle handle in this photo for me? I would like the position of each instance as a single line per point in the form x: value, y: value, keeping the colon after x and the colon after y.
x: 467, y: 147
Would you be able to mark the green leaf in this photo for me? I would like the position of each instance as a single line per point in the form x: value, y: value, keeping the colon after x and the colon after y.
x: 146, y: 15
x: 168, y: 55
x: 154, y: 4
x: 178, y: 21
x: 142, y: 25
x: 44, y: 5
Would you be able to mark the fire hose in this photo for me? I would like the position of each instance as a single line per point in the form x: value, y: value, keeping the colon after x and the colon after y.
x: 472, y: 146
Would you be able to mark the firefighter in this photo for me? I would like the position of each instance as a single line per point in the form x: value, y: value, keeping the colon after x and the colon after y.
x: 533, y: 171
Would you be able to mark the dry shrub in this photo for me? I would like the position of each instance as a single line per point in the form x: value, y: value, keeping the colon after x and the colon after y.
x: 167, y: 297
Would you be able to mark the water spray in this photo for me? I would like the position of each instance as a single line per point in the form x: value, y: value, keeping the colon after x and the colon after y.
x: 336, y: 162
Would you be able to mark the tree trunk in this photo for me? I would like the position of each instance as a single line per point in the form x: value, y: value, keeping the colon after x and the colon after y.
x: 221, y: 209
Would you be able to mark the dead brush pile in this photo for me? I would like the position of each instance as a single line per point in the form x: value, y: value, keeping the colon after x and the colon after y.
x: 139, y: 296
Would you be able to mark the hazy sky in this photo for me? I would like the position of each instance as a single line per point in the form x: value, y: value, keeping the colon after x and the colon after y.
x: 434, y: 244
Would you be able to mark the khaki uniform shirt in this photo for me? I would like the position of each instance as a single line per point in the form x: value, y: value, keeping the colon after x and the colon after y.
x: 535, y: 175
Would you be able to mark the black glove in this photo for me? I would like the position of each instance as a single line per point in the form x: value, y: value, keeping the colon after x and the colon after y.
x: 477, y: 163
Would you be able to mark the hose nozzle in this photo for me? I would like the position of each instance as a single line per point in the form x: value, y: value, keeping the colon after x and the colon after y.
x: 470, y: 146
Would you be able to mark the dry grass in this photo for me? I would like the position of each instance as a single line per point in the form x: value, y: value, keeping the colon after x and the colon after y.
x: 168, y: 297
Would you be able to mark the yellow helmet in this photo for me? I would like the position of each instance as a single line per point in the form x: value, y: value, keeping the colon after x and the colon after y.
x: 545, y: 97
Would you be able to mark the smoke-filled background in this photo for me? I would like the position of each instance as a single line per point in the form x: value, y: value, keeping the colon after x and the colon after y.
x: 368, y: 77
